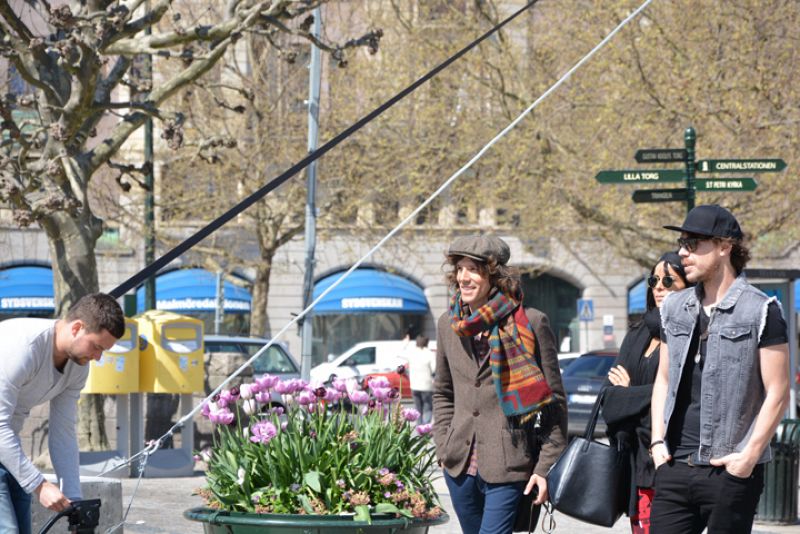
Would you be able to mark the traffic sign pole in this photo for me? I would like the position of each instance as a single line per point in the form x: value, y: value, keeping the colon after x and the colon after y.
x: 689, y: 139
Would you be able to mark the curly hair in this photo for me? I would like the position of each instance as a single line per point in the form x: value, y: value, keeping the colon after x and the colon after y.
x: 740, y: 255
x: 506, y: 279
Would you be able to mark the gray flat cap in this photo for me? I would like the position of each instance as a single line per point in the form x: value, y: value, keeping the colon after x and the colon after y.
x: 481, y: 248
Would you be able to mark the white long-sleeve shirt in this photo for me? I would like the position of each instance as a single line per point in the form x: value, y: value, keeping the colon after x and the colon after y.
x: 28, y: 378
x: 421, y: 367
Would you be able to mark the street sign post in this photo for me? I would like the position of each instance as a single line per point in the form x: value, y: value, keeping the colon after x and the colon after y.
x: 660, y: 195
x: 740, y: 165
x: 661, y: 155
x: 727, y: 184
x: 586, y: 316
x: 635, y: 175
x: 586, y: 310
x: 688, y: 173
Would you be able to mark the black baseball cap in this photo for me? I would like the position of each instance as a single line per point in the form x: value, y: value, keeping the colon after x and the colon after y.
x: 481, y: 248
x: 710, y: 220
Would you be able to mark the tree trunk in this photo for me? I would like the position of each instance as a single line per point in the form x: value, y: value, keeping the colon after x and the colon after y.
x: 72, y: 242
x: 258, y: 309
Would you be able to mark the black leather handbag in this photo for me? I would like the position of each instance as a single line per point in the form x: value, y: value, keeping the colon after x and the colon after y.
x: 527, y: 513
x: 590, y: 479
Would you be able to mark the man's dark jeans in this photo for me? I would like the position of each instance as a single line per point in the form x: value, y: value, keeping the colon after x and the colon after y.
x: 689, y: 498
x: 423, y: 402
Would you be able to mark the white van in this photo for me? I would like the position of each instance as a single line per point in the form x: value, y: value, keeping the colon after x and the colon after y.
x: 365, y: 358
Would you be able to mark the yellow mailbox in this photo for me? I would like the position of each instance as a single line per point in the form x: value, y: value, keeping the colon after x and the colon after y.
x: 117, y: 370
x: 170, y: 352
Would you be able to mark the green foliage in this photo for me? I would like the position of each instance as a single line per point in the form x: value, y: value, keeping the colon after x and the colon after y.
x: 331, y: 452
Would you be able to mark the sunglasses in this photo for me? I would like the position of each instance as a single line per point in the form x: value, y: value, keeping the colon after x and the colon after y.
x: 666, y: 281
x: 690, y: 243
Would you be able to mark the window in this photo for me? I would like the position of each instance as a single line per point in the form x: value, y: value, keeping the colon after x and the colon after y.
x: 365, y: 356
x: 273, y: 361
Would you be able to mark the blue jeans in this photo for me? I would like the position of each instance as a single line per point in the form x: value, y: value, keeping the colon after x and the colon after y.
x: 15, y: 505
x: 481, y: 507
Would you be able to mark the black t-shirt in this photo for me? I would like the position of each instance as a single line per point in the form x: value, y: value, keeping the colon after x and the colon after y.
x: 684, y: 428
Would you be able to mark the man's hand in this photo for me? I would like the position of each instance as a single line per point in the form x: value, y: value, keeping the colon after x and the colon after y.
x: 51, y: 497
x: 737, y: 464
x: 660, y: 454
x: 541, y: 485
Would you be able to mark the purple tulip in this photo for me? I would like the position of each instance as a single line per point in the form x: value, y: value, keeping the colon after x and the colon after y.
x: 359, y: 397
x: 221, y: 417
x: 263, y: 432
x: 304, y: 398
x: 267, y: 382
x: 379, y: 382
x: 410, y: 414
x: 340, y: 385
x: 424, y: 429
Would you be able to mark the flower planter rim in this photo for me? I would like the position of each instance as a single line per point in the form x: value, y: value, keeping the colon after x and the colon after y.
x: 224, y: 517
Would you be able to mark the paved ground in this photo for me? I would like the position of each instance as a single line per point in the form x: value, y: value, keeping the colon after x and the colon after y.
x: 158, y: 506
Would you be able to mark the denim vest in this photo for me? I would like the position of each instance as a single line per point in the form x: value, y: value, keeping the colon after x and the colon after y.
x: 732, y: 391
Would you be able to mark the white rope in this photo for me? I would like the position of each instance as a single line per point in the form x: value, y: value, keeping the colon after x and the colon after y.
x: 403, y: 223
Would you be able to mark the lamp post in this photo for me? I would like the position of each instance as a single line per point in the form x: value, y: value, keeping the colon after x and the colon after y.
x: 311, y: 209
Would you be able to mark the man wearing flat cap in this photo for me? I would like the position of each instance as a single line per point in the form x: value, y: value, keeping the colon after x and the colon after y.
x: 722, y: 384
x: 498, y: 401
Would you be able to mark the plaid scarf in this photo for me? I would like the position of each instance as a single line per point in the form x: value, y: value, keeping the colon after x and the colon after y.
x: 518, y: 380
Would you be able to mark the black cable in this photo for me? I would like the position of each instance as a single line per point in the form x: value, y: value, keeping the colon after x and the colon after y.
x: 217, y: 223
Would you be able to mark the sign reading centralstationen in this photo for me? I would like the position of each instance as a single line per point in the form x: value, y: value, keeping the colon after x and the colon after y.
x: 727, y: 184
x: 740, y: 165
x: 635, y: 175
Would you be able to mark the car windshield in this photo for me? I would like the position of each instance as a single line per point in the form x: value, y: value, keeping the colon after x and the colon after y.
x: 589, y: 366
x: 274, y: 360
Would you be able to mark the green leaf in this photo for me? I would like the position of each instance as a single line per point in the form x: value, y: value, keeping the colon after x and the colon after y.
x: 362, y: 513
x: 312, y: 480
x: 306, y: 504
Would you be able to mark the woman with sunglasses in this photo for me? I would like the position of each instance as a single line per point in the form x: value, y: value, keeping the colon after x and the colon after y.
x: 626, y: 406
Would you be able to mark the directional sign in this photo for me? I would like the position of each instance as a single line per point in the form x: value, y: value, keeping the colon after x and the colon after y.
x: 727, y: 184
x: 586, y: 310
x: 660, y: 195
x: 741, y: 165
x: 661, y: 155
x: 638, y: 176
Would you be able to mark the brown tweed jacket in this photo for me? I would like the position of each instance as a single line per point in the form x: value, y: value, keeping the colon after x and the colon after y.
x: 465, y: 405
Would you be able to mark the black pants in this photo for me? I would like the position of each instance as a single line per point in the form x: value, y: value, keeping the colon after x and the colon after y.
x: 689, y: 498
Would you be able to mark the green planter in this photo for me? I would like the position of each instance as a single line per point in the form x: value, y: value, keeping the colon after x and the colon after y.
x: 217, y: 522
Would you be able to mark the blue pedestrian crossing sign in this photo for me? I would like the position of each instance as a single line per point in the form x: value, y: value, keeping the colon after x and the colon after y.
x: 586, y: 310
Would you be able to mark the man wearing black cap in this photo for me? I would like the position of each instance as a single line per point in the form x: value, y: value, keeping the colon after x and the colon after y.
x: 722, y: 384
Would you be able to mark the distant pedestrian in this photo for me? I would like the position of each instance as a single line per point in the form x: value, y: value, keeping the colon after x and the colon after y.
x: 626, y: 405
x: 46, y: 360
x: 421, y: 368
x: 722, y: 385
x: 499, y: 411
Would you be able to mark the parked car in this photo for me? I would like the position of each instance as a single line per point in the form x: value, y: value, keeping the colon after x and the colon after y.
x: 566, y: 358
x: 362, y: 359
x: 583, y: 379
x: 277, y: 360
x: 224, y: 354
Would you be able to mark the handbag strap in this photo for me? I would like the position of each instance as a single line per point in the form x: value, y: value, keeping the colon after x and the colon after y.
x: 589, y: 433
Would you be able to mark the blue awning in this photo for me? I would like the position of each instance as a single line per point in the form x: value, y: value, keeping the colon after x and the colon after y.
x: 637, y: 298
x: 368, y: 291
x: 26, y: 289
x: 194, y: 290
